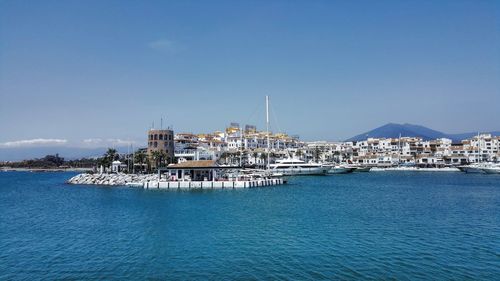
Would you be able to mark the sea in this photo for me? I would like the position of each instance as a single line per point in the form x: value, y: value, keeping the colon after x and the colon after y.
x: 385, y: 225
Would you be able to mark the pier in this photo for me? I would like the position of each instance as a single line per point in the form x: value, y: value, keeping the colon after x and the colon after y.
x: 186, y: 185
x: 204, y: 174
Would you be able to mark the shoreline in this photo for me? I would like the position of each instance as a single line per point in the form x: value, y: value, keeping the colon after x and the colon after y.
x: 46, y: 169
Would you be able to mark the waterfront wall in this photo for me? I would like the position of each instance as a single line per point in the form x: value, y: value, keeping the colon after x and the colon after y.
x: 211, y: 184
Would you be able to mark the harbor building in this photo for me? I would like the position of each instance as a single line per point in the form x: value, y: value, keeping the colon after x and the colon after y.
x: 161, y: 141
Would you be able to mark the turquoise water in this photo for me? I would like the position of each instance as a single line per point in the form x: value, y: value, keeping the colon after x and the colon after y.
x: 357, y: 226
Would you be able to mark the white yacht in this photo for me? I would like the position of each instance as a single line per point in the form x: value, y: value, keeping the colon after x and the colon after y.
x: 474, y: 168
x: 415, y: 169
x: 339, y: 169
x: 359, y: 168
x: 492, y: 168
x: 296, y: 167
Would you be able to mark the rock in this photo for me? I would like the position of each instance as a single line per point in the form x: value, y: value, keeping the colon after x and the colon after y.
x: 110, y: 179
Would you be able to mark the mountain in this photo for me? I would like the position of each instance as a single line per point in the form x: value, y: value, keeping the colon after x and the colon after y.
x: 393, y: 130
x: 24, y: 153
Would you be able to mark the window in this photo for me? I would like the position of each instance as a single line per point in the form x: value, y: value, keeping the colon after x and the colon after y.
x: 156, y: 137
x: 155, y: 144
x: 161, y: 137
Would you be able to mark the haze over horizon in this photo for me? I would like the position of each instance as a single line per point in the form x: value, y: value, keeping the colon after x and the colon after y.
x: 101, y: 71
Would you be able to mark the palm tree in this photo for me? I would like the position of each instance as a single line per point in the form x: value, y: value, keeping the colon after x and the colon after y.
x: 255, y: 154
x: 263, y: 156
x: 299, y: 153
x: 140, y: 158
x: 163, y: 159
x: 111, y: 154
x: 223, y: 157
x: 108, y: 157
x: 157, y: 157
x: 316, y: 154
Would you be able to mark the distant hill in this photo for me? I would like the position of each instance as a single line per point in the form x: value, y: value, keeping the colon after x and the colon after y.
x: 69, y: 153
x: 393, y: 130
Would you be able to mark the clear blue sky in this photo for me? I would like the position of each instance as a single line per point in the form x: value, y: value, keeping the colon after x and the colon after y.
x: 76, y: 70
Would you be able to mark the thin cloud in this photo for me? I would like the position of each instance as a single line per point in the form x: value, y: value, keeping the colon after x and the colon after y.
x: 98, y: 142
x: 34, y: 142
x: 120, y: 142
x: 92, y: 141
x: 164, y: 45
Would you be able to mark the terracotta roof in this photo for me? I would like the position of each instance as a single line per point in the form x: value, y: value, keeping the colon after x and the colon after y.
x: 194, y: 164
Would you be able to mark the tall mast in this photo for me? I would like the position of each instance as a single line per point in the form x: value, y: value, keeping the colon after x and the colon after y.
x: 400, y: 149
x: 267, y: 129
x: 133, y: 159
x: 241, y: 145
x: 478, y: 149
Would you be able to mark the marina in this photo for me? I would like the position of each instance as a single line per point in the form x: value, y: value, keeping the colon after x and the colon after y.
x: 249, y: 140
x: 238, y: 158
x: 196, y: 163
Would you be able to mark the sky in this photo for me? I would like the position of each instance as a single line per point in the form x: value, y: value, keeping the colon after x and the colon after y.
x: 94, y: 72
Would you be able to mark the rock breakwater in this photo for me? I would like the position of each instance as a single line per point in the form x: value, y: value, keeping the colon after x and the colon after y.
x: 111, y: 179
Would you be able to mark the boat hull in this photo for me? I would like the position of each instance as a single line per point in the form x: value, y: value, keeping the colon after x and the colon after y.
x: 472, y: 170
x: 491, y: 170
x: 415, y: 169
x: 362, y: 169
x: 340, y: 170
x: 314, y: 171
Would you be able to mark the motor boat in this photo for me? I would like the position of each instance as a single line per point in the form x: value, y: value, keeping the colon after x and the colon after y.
x: 340, y: 169
x: 475, y: 168
x: 362, y: 169
x: 296, y: 167
x: 492, y: 169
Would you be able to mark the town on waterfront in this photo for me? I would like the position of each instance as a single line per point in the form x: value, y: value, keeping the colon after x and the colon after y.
x: 243, y: 156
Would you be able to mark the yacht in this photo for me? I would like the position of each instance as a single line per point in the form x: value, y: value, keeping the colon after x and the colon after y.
x: 491, y: 168
x: 362, y: 169
x: 474, y: 168
x: 396, y: 168
x: 479, y: 168
x: 415, y: 169
x: 357, y: 168
x: 340, y: 169
x: 296, y: 167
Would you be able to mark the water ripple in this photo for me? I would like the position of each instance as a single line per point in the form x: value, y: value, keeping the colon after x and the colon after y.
x: 359, y: 226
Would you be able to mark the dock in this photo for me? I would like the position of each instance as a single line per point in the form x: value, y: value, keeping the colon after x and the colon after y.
x: 187, y: 185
